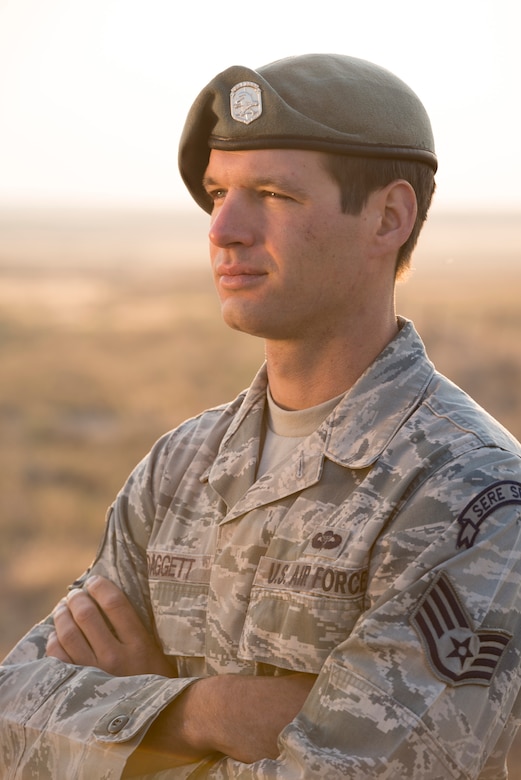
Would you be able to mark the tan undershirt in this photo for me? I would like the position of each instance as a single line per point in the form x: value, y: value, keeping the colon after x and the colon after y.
x: 284, y: 430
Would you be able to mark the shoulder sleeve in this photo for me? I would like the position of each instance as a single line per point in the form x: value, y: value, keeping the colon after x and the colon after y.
x: 69, y: 721
x: 80, y: 722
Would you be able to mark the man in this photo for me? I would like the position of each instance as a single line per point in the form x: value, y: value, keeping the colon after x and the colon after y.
x: 321, y: 578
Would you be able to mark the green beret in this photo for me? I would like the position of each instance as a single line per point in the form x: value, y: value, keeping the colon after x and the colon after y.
x: 321, y: 102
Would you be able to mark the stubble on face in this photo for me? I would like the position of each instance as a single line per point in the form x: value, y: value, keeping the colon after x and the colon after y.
x: 286, y: 260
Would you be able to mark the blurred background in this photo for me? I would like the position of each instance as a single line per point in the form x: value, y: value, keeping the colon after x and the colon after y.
x: 110, y: 333
x: 93, y: 93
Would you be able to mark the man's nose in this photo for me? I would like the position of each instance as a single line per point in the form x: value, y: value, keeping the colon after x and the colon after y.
x: 232, y: 221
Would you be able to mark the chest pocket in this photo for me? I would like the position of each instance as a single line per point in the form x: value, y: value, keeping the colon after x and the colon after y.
x: 179, y: 595
x: 300, y: 611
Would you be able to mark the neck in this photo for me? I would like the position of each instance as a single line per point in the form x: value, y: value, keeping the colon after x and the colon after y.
x: 302, y: 375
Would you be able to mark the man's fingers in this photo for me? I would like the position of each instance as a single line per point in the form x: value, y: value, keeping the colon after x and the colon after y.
x: 117, y: 608
x: 99, y: 627
x: 70, y: 638
x: 54, y: 649
x: 135, y: 650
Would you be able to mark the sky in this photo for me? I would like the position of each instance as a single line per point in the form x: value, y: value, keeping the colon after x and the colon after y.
x: 94, y: 93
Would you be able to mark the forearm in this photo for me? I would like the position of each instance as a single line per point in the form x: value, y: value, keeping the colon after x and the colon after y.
x: 62, y: 720
x: 234, y: 715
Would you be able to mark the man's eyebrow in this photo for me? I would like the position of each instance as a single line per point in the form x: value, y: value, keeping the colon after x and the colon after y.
x: 281, y: 182
x: 208, y: 182
x: 274, y: 182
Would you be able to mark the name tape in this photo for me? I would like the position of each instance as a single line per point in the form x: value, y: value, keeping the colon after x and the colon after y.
x: 179, y: 568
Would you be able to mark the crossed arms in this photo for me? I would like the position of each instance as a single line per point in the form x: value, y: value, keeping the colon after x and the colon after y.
x: 236, y: 715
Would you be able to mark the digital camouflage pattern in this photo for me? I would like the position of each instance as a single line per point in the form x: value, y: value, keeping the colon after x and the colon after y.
x: 383, y: 556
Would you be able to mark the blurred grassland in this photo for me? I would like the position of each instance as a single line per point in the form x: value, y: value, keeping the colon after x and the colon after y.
x: 110, y: 335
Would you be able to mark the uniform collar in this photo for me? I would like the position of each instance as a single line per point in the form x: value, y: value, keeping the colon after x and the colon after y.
x: 353, y: 435
x: 365, y: 421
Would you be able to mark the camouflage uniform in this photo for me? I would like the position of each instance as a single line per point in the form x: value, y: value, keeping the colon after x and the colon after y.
x: 383, y: 556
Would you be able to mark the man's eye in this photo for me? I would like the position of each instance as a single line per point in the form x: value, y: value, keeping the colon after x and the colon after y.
x: 216, y: 194
x: 273, y: 194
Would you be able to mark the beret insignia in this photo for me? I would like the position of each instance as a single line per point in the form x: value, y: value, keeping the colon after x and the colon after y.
x: 246, y: 102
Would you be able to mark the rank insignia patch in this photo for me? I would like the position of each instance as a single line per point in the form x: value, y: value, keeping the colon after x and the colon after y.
x: 457, y: 654
x: 497, y: 495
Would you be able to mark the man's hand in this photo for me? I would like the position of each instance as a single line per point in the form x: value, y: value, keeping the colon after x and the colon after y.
x: 235, y: 715
x: 100, y: 627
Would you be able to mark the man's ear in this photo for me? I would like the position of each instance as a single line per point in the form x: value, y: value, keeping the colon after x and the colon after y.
x: 398, y: 209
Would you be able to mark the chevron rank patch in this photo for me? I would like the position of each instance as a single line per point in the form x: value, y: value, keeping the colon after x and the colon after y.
x: 457, y: 654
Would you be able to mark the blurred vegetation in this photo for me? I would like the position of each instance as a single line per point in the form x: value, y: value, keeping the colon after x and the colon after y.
x: 110, y: 334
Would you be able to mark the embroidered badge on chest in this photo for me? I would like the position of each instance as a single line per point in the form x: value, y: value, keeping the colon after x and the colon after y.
x: 328, y: 540
x: 325, y: 543
x: 457, y: 654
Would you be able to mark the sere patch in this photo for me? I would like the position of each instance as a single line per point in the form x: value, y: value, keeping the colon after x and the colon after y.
x: 497, y: 495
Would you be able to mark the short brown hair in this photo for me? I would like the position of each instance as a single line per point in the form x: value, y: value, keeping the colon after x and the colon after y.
x: 358, y: 177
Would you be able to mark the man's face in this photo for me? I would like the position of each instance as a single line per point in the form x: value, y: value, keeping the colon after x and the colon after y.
x: 287, y: 263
